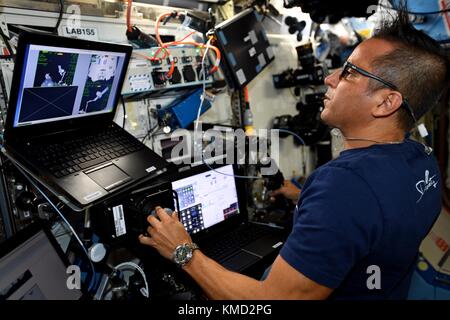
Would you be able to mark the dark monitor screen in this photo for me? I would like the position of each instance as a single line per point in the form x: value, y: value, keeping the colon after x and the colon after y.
x: 34, y: 270
x: 245, y: 46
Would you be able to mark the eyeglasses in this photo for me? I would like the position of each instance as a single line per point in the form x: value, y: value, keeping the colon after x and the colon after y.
x: 350, y: 66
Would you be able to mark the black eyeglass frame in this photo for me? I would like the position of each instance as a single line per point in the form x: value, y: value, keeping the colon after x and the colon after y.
x: 348, y: 65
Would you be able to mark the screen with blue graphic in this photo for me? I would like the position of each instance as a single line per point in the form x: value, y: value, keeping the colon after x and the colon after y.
x: 63, y: 83
x: 192, y: 218
x: 186, y: 196
x: 207, y: 199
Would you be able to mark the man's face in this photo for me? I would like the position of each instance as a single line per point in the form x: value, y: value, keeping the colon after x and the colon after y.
x: 348, y: 102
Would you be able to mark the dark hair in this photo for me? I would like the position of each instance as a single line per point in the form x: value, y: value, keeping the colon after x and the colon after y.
x: 418, y: 66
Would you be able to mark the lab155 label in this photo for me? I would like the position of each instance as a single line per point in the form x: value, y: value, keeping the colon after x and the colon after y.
x: 81, y: 32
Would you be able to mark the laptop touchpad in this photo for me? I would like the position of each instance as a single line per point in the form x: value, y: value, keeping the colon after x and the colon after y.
x: 109, y: 177
x: 239, y: 261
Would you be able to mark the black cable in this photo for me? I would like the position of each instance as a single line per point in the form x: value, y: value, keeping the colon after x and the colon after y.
x: 416, y: 13
x: 61, y: 12
x: 124, y: 112
x: 150, y: 133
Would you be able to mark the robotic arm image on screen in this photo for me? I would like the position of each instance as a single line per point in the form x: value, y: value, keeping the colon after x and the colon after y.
x: 48, y: 81
x: 102, y: 71
x: 99, y: 95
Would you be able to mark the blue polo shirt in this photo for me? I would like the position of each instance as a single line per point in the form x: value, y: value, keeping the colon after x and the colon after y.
x: 361, y: 218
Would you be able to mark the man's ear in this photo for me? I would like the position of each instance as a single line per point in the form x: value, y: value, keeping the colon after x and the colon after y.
x: 391, y: 101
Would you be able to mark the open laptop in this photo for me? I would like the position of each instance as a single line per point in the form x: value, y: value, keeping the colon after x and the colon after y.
x: 213, y: 210
x: 33, y: 267
x: 60, y: 118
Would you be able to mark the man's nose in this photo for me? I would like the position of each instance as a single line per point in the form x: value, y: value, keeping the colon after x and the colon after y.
x: 333, y: 79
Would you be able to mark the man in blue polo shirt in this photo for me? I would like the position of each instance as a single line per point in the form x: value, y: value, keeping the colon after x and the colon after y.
x: 361, y: 217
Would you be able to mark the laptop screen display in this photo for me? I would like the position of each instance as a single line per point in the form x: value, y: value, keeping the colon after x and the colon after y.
x: 206, y: 199
x: 64, y: 83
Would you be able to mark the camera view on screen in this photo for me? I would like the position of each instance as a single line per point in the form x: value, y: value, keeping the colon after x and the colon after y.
x: 63, y: 83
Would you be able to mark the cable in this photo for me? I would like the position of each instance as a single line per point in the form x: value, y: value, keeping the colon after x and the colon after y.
x: 294, y: 135
x: 61, y: 13
x: 124, y: 112
x: 164, y: 46
x: 66, y: 222
x: 202, y: 71
x: 129, y: 27
x: 203, y: 46
x: 145, y: 292
x: 161, y: 44
x: 199, y: 113
x: 155, y: 56
x: 150, y: 132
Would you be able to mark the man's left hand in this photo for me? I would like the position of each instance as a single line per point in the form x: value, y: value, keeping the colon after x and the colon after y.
x: 166, y: 233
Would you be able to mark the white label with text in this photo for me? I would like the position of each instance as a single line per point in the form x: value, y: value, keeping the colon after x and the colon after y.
x: 87, y: 33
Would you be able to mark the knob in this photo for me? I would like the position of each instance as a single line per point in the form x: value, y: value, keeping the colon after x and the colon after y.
x: 97, y: 252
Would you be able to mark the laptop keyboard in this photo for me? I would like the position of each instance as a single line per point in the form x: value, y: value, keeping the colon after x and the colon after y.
x: 71, y: 156
x: 228, y: 244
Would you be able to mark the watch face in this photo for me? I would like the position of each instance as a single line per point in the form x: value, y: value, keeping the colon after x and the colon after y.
x: 182, y: 254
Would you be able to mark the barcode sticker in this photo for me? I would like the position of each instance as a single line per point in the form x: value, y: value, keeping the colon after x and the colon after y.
x: 241, y: 76
x: 119, y: 220
x: 262, y: 60
x: 151, y: 169
x: 276, y: 245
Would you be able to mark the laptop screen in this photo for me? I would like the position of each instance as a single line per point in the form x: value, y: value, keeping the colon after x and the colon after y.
x: 207, y: 199
x: 34, y: 271
x: 59, y: 83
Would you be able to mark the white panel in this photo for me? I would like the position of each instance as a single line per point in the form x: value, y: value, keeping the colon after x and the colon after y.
x: 267, y: 102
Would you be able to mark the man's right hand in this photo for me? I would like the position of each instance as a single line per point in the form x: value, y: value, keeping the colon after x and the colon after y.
x: 288, y: 190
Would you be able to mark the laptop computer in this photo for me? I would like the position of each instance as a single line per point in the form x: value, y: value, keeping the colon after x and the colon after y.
x: 34, y: 267
x: 60, y: 118
x: 213, y: 210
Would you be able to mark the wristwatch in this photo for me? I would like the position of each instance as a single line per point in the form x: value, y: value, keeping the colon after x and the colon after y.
x: 183, y: 253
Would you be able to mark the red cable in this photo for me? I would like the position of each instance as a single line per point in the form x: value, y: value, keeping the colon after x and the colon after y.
x: 246, y: 94
x: 166, y: 44
x: 204, y: 46
x: 163, y: 46
x: 130, y: 2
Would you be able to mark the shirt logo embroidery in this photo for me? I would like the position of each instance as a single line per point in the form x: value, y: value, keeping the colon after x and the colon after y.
x: 424, y: 185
